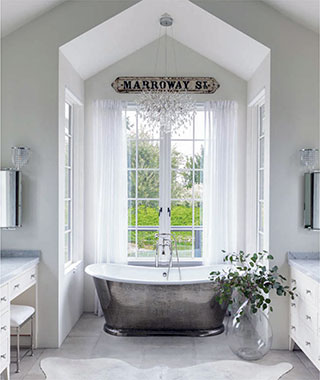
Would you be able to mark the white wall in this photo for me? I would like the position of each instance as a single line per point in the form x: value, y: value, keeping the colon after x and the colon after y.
x: 142, y: 62
x: 294, y: 124
x: 30, y: 67
x: 71, y: 278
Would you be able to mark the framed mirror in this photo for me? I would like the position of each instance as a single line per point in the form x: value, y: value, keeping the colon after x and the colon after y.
x: 312, y: 200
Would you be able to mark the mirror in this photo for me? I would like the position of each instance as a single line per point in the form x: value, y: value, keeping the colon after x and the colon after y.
x: 10, y: 198
x: 312, y: 200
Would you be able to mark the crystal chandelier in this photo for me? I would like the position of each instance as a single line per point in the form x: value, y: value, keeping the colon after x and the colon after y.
x: 171, y: 111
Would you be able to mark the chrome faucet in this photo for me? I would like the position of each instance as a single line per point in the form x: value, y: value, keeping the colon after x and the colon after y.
x: 165, y: 240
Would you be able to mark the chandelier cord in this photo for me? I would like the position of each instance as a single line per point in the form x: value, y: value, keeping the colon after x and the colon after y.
x: 166, y: 53
x: 157, y: 51
x: 174, y: 52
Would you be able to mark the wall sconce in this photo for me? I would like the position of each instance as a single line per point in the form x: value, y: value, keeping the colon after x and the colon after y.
x: 309, y: 158
x: 20, y: 156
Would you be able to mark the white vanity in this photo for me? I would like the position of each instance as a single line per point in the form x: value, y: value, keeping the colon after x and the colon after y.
x: 305, y: 308
x: 18, y: 284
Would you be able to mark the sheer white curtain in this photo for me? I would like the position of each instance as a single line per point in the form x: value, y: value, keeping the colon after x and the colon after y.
x: 220, y: 181
x: 110, y: 182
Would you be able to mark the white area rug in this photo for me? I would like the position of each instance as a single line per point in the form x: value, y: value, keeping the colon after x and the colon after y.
x: 113, y: 369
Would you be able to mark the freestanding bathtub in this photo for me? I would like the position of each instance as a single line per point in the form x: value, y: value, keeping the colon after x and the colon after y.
x: 140, y: 301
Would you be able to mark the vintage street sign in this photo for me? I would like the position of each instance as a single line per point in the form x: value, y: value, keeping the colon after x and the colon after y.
x: 194, y: 85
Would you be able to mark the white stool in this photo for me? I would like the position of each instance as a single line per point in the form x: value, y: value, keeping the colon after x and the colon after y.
x: 19, y: 316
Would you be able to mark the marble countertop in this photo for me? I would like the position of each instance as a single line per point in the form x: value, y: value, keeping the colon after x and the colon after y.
x: 307, y: 263
x: 15, y: 262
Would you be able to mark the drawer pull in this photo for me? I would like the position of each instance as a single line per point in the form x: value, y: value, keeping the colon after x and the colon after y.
x: 308, y: 318
x: 308, y: 343
x: 3, y: 299
x: 293, y: 281
x: 3, y: 356
x: 293, y: 304
x: 17, y: 286
x: 308, y: 291
x: 293, y: 327
x: 33, y: 276
x: 4, y: 328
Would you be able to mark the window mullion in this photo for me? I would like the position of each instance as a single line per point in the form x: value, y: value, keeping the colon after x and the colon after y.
x: 165, y: 182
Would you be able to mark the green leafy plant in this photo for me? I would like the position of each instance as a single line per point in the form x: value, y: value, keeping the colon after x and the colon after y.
x: 249, y: 278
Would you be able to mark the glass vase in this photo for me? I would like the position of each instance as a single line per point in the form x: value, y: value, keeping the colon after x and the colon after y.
x: 249, y: 335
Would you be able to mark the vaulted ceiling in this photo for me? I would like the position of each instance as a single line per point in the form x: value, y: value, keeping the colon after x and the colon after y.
x: 16, y: 13
x: 125, y: 33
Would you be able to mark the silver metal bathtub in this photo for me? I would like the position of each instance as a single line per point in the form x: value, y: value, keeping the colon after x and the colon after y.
x: 136, y: 307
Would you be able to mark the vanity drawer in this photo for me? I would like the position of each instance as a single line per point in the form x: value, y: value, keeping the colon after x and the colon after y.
x: 308, y: 315
x: 4, y: 297
x: 309, y: 342
x: 306, y: 288
x: 4, y: 354
x: 23, y: 282
x: 4, y: 325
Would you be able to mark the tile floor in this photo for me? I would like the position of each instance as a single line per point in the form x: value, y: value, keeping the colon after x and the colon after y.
x: 87, y: 340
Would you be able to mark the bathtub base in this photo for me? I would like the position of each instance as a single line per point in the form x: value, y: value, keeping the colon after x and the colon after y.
x: 137, y: 332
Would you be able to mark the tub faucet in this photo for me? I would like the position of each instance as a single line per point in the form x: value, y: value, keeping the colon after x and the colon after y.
x: 165, y: 240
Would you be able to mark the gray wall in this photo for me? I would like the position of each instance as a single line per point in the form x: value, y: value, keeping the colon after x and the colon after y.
x: 142, y: 62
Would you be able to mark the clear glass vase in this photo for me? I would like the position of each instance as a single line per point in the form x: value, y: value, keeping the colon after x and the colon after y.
x: 249, y: 335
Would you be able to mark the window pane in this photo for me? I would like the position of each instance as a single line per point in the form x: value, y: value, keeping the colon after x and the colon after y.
x: 131, y: 213
x: 181, y: 154
x: 184, y: 243
x: 148, y: 213
x: 198, y: 213
x: 67, y: 247
x: 181, y: 213
x: 148, y: 184
x: 181, y: 184
x: 148, y: 154
x: 146, y: 132
x: 131, y: 124
x: 262, y: 119
x: 131, y: 153
x: 131, y: 183
x: 199, y: 125
x: 185, y: 132
x: 67, y: 183
x: 146, y: 243
x: 198, y: 184
x: 261, y: 216
x: 261, y: 184
x: 131, y: 243
x: 67, y: 152
x: 66, y: 110
x: 198, y: 243
x: 261, y: 242
x: 67, y: 215
x: 261, y: 149
x: 198, y: 154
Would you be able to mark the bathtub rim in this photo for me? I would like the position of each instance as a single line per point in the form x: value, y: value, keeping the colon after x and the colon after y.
x: 89, y: 270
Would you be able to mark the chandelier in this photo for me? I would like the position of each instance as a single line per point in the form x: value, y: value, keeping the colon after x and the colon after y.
x: 168, y: 110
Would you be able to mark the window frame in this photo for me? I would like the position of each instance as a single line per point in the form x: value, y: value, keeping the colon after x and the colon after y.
x: 70, y: 169
x: 261, y: 136
x: 164, y: 197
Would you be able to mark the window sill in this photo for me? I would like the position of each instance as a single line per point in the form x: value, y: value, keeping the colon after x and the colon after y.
x: 72, y: 267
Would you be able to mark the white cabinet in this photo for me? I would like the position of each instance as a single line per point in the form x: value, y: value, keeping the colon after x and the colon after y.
x: 305, y: 316
x: 8, y: 292
x: 4, y: 330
